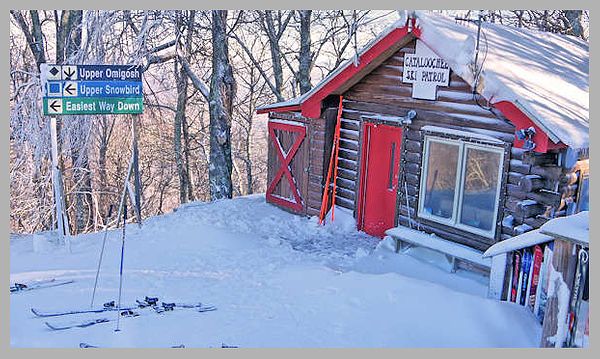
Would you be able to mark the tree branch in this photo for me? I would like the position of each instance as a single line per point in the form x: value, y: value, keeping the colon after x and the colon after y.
x: 196, y: 81
x: 258, y: 67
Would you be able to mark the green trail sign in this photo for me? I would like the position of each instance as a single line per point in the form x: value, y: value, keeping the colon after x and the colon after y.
x: 92, y: 106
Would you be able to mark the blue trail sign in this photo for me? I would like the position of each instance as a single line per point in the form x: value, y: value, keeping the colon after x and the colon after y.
x: 108, y: 73
x: 93, y: 89
x: 92, y: 72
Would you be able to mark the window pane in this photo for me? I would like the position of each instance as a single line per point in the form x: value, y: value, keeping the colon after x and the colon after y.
x: 480, y: 188
x: 441, y: 179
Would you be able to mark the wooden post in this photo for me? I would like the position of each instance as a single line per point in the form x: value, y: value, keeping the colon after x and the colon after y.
x: 62, y: 220
x: 136, y: 169
x: 497, y: 275
x: 555, y: 317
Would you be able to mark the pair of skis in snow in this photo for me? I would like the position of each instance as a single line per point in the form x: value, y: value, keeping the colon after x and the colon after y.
x: 22, y: 287
x: 128, y: 311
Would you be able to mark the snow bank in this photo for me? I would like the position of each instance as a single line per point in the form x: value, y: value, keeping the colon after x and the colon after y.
x: 278, y: 280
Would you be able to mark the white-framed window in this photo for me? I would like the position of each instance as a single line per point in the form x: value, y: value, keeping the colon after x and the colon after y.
x: 460, y: 184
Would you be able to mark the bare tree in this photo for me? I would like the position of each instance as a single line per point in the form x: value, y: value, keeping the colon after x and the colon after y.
x: 33, y: 34
x: 220, y: 96
x: 305, y: 56
x: 251, y: 91
x: 222, y: 92
x: 196, y: 142
x: 180, y: 125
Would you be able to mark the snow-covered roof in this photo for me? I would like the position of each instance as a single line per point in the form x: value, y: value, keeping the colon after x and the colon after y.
x: 575, y: 228
x: 524, y: 240
x: 544, y: 75
x: 461, y: 133
x: 293, y: 102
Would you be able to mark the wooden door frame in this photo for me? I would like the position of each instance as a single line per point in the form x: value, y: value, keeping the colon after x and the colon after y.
x: 364, y: 157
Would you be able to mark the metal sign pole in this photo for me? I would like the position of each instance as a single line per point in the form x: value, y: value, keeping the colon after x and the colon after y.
x: 63, y: 226
x: 125, y: 186
x: 136, y: 169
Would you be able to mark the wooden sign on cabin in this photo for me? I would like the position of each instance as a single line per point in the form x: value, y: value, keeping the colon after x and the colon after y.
x: 426, y: 71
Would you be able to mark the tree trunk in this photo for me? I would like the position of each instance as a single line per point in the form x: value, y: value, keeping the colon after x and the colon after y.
x: 222, y: 91
x: 82, y: 185
x: 181, y: 81
x: 184, y: 124
x: 68, y: 34
x: 180, y: 127
x: 248, y: 161
x: 35, y: 41
x: 305, y: 54
x: 274, y: 36
x: 33, y: 35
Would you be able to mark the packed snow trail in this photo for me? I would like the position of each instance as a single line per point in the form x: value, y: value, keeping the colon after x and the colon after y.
x: 278, y: 280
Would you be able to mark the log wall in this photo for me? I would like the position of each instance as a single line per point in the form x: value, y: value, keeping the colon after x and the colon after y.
x: 382, y: 93
x: 530, y: 193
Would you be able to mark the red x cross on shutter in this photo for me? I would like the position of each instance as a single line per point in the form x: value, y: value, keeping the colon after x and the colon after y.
x: 285, y: 160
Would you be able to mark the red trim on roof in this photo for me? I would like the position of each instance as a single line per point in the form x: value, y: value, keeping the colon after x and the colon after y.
x: 521, y: 121
x: 311, y: 107
x: 279, y: 109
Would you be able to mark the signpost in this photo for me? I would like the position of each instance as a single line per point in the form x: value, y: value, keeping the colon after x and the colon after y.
x: 92, y: 90
x: 426, y: 71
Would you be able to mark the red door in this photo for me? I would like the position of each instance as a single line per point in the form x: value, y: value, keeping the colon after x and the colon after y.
x: 379, y: 178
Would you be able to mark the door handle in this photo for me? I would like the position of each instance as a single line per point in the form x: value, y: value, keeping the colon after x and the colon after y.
x: 392, y: 167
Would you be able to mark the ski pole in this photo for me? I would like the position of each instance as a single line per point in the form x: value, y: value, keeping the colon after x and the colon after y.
x: 121, y: 269
x: 110, y: 209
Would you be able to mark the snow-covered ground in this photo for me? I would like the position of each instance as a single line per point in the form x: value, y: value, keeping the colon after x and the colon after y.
x: 278, y: 280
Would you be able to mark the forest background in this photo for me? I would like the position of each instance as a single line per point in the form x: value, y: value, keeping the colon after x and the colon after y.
x: 205, y: 74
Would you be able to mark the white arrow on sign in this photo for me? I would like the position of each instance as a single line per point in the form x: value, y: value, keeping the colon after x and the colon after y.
x: 55, y: 106
x: 69, y: 72
x: 70, y: 89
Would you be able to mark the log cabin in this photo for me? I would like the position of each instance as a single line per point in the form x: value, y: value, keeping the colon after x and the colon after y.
x: 473, y: 133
